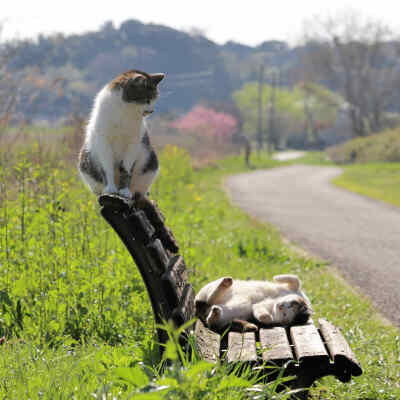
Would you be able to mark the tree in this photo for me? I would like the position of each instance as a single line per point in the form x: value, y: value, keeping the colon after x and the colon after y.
x: 205, y: 121
x: 300, y: 111
x: 360, y: 57
x: 8, y: 86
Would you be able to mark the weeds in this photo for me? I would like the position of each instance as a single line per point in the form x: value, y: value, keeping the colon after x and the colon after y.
x: 75, y: 319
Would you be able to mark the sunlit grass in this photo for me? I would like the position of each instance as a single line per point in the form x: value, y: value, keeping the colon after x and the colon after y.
x: 74, y: 315
x: 380, y: 181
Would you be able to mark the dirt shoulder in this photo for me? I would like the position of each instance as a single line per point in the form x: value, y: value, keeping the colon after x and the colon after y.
x: 360, y: 236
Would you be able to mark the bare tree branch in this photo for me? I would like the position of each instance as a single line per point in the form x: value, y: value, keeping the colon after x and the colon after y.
x: 359, y: 57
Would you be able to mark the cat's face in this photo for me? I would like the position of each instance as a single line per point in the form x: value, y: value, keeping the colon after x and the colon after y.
x: 138, y: 87
x: 292, y: 309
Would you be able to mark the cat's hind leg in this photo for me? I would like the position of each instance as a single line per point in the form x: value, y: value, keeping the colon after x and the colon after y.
x: 91, y: 171
x: 262, y: 312
x: 239, y: 325
x: 95, y: 186
x: 222, y: 285
x: 146, y: 167
x: 292, y: 281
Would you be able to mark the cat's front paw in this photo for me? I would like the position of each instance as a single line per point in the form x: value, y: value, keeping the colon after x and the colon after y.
x: 265, y: 319
x: 249, y: 327
x: 110, y: 189
x: 125, y: 192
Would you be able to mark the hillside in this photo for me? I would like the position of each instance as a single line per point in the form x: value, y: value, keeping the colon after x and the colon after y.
x: 61, y: 74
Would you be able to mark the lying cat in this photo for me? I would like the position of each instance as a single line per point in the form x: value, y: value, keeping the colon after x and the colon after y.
x: 117, y: 156
x: 227, y: 301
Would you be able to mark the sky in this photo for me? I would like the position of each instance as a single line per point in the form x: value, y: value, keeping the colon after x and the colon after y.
x: 249, y: 22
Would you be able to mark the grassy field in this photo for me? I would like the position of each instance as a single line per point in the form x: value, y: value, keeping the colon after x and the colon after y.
x: 379, y: 181
x: 75, y: 321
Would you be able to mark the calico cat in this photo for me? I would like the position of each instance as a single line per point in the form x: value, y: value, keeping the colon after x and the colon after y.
x: 225, y: 300
x: 117, y: 156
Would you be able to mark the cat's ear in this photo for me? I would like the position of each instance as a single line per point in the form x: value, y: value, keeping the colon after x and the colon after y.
x: 155, y: 79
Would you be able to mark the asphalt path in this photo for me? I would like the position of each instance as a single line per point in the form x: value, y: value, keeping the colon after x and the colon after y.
x: 360, y: 236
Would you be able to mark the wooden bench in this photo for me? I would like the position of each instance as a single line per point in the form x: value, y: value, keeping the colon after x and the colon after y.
x: 314, y: 351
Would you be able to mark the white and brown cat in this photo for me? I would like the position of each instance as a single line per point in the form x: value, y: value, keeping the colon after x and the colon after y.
x: 228, y: 301
x: 117, y: 156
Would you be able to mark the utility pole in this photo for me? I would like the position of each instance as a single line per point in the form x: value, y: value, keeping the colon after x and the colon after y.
x: 260, y: 108
x: 271, y: 117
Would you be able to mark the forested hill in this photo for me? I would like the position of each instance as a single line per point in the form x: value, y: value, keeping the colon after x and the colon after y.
x: 64, y: 72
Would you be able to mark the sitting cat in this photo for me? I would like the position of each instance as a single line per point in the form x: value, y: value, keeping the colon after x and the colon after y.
x: 117, y: 156
x: 227, y: 301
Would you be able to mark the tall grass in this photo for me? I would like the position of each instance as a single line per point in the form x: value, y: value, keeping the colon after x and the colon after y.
x: 383, y: 146
x: 75, y: 319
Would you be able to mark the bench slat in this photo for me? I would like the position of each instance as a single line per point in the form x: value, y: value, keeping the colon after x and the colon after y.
x: 141, y: 227
x: 207, y: 342
x: 157, y: 219
x: 339, y: 349
x: 241, y: 347
x: 275, y: 345
x: 185, y: 311
x: 307, y: 342
x: 174, y: 280
x: 158, y: 254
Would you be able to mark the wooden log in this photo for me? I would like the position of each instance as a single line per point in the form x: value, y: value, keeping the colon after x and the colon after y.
x: 207, y: 343
x: 307, y: 343
x: 241, y: 347
x: 346, y: 364
x: 275, y: 345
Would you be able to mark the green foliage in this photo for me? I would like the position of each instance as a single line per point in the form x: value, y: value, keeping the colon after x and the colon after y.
x: 383, y: 146
x: 75, y: 319
x: 291, y: 107
x: 380, y: 181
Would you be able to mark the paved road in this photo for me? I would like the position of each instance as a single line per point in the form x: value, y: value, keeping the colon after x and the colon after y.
x: 288, y: 155
x: 360, y: 236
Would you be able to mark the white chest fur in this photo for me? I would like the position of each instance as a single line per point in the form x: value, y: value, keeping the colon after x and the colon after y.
x: 114, y: 123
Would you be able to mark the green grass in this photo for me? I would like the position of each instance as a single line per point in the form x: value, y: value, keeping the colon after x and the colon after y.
x: 74, y: 315
x: 382, y: 146
x: 314, y: 158
x: 379, y: 181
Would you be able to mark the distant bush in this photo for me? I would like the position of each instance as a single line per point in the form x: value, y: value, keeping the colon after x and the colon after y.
x: 383, y: 146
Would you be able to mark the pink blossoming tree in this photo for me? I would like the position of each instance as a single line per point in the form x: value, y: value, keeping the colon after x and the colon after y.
x: 205, y: 121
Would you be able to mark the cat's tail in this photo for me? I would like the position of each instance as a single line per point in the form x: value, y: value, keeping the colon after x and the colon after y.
x: 292, y: 281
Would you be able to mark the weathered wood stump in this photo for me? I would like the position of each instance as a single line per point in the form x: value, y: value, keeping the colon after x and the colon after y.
x: 307, y: 351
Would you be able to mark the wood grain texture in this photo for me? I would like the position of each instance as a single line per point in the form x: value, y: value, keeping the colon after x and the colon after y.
x: 241, y: 347
x: 141, y: 227
x: 339, y: 349
x: 207, y: 343
x: 158, y: 255
x: 275, y: 345
x: 307, y: 343
x: 175, y: 280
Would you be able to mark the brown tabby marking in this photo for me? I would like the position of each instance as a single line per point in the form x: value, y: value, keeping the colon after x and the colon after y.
x: 123, y: 79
